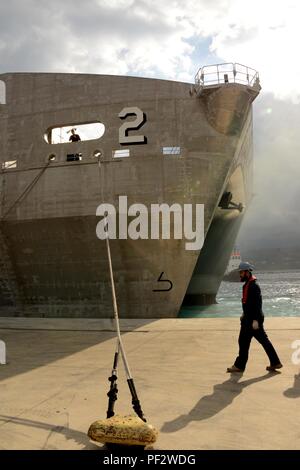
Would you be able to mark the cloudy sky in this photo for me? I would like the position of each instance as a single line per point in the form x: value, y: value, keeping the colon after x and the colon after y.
x: 172, y: 39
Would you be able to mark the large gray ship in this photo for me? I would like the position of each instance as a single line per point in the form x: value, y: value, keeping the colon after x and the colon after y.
x: 159, y: 141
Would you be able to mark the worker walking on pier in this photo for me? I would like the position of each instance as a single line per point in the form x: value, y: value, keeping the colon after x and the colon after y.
x: 252, y: 323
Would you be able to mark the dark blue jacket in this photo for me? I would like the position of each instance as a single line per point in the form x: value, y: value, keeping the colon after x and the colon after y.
x: 252, y: 309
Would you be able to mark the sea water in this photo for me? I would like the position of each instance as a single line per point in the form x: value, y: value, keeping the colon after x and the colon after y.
x: 280, y: 292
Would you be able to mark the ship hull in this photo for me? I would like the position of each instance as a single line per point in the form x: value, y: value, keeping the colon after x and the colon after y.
x: 52, y: 263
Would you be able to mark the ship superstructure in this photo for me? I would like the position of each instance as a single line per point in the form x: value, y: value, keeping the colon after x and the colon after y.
x: 234, y: 261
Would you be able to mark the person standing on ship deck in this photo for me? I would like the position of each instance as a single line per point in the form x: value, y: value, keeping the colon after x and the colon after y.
x: 74, y: 137
x: 252, y: 321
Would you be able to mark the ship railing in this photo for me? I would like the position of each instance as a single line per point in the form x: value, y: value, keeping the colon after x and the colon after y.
x: 211, y: 75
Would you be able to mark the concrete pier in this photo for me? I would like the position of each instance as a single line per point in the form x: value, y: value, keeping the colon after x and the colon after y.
x: 54, y: 384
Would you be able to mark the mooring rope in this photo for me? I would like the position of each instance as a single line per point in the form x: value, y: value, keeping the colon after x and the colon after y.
x: 112, y: 394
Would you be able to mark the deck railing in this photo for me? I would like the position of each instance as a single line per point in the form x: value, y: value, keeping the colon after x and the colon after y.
x: 218, y: 74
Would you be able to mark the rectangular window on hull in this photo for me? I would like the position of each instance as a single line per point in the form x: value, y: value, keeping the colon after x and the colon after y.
x: 9, y: 164
x: 121, y: 153
x: 2, y: 92
x: 171, y: 150
x: 74, y: 157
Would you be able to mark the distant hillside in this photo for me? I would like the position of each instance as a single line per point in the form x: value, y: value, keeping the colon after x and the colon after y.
x: 269, y: 259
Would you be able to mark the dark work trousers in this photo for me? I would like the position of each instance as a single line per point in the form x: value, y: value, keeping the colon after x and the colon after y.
x: 245, y: 338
